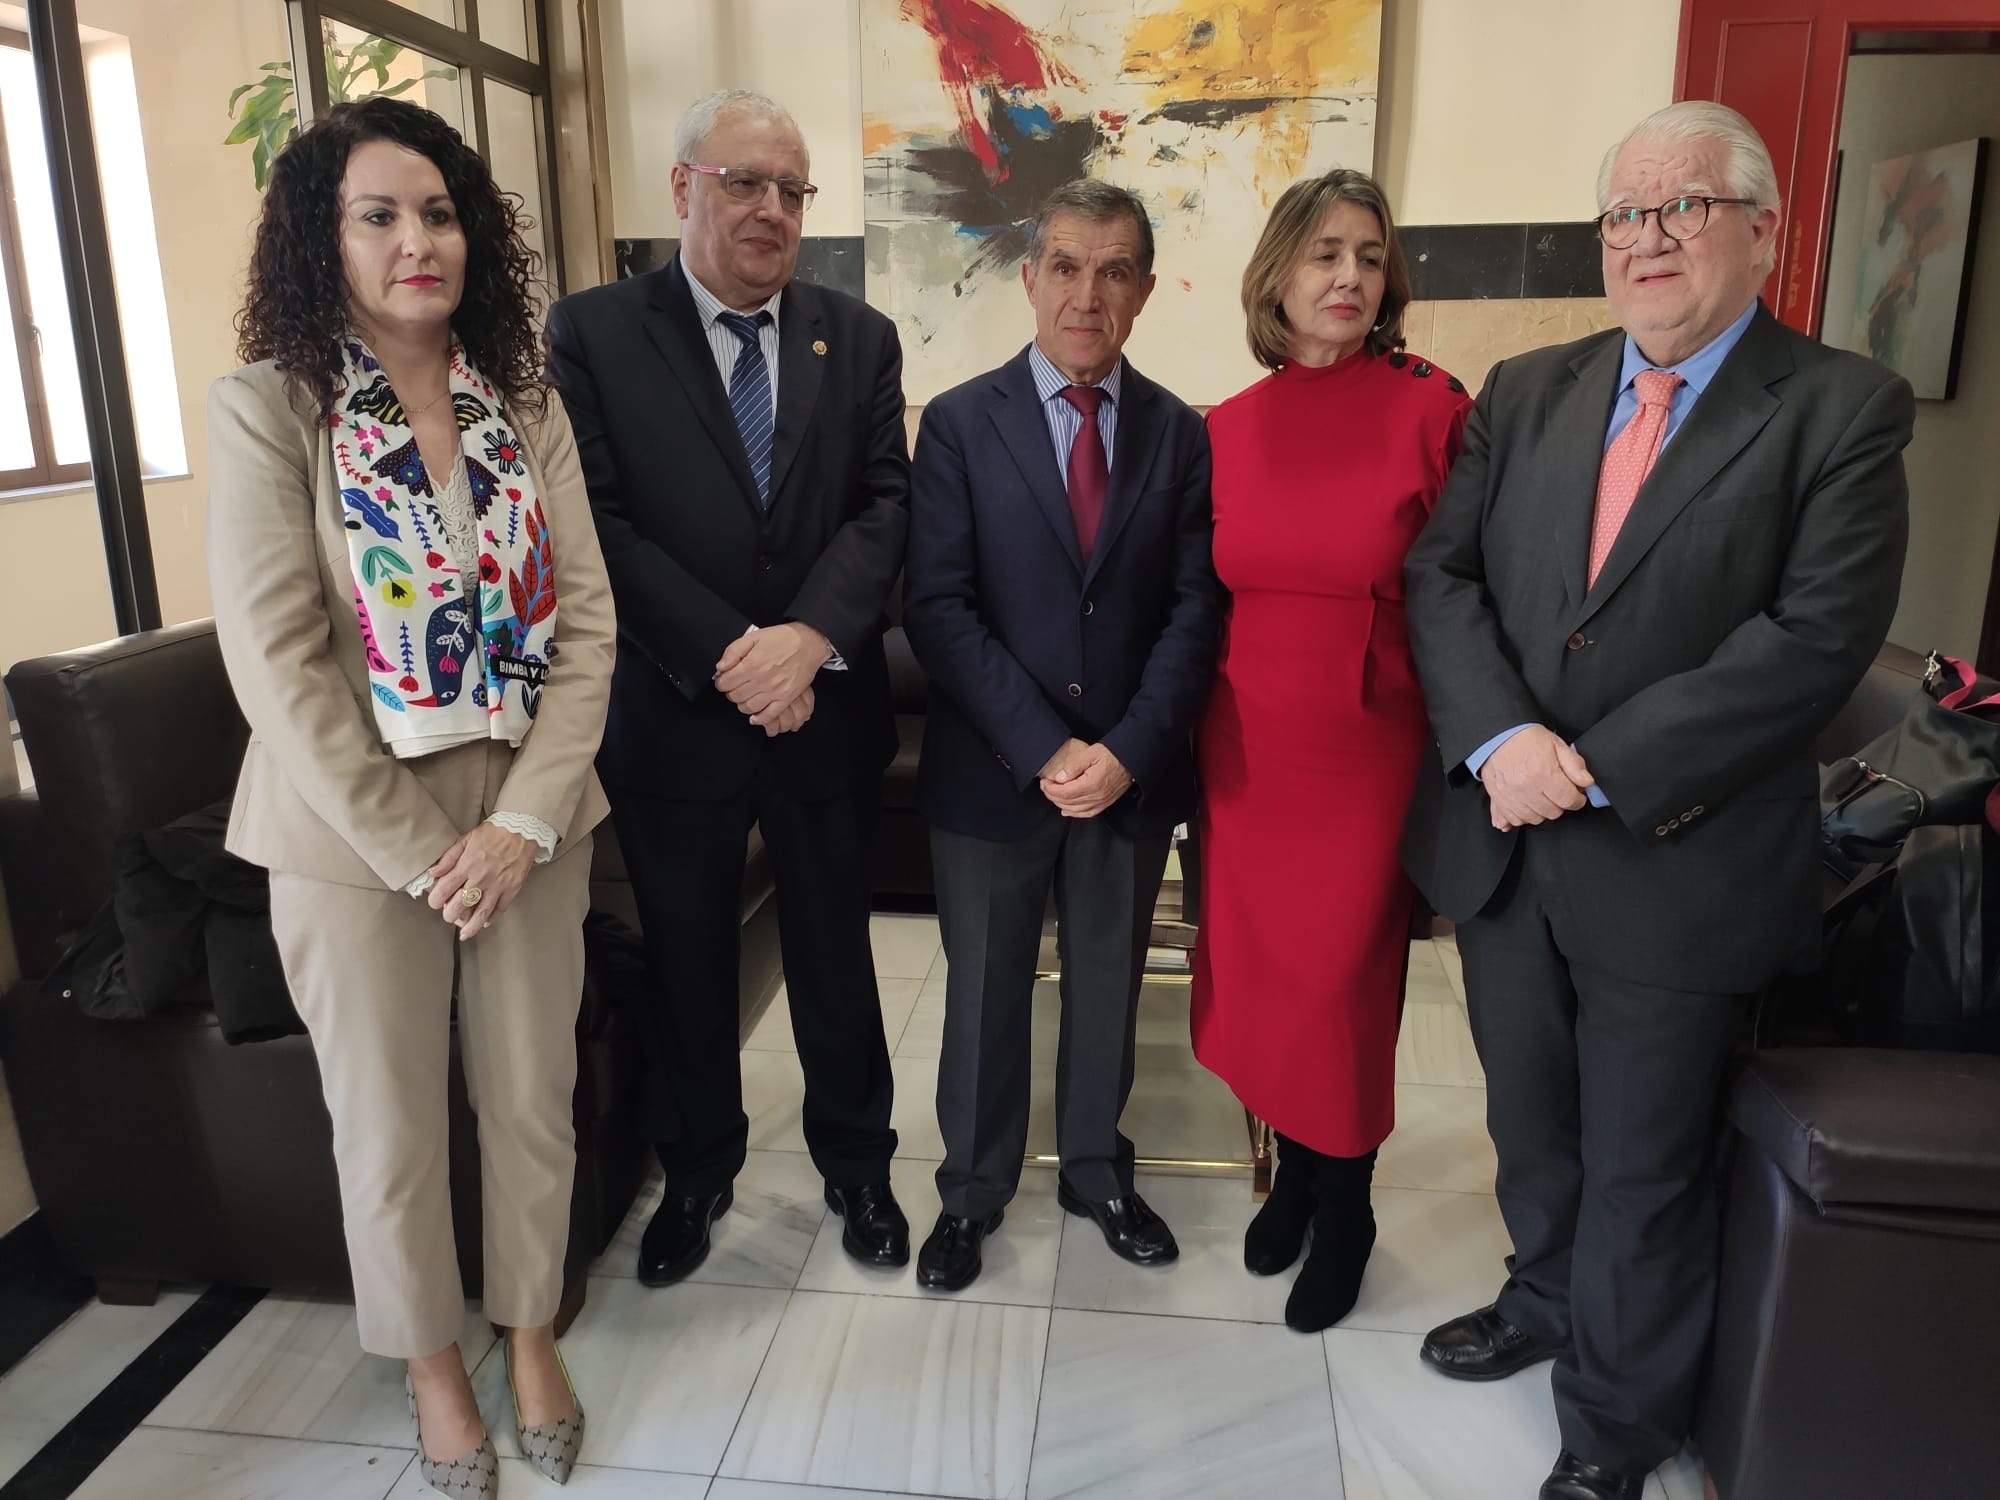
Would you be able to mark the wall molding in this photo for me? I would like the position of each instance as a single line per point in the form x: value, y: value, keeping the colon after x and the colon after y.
x: 1448, y: 262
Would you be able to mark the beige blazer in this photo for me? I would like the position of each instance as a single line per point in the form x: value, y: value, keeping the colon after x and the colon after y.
x: 318, y: 795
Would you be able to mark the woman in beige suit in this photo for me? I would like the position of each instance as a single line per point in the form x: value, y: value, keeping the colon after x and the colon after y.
x: 426, y: 688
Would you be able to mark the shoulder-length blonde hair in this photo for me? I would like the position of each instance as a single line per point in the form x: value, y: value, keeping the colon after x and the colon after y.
x: 1293, y: 226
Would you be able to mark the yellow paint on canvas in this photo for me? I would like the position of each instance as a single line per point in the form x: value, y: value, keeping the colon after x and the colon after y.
x: 1294, y: 52
x: 1209, y: 48
x: 878, y: 135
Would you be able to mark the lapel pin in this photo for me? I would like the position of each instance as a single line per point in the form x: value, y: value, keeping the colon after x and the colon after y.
x: 819, y: 346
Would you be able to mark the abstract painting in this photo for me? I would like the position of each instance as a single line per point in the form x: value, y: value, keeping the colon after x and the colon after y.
x: 1918, y: 224
x: 1207, y: 109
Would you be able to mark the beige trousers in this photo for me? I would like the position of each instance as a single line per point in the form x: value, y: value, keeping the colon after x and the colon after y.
x: 371, y: 974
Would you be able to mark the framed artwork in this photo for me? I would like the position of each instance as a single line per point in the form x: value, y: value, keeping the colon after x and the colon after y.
x: 1918, y: 225
x: 1207, y: 109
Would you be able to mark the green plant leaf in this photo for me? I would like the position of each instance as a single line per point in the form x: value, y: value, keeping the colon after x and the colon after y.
x: 276, y: 67
x: 246, y: 129
x: 378, y: 562
x: 260, y: 162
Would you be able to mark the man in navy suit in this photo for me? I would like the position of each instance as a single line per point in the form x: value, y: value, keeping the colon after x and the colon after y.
x: 1059, y: 592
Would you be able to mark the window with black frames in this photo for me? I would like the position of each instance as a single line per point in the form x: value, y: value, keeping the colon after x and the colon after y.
x: 43, y: 440
x: 482, y: 64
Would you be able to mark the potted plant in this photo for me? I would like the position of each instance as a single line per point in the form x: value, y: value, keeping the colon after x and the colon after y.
x: 269, y: 116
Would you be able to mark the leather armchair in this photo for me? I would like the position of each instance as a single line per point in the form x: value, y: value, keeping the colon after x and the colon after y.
x: 903, y: 842
x: 157, y: 1151
x: 1859, y: 1303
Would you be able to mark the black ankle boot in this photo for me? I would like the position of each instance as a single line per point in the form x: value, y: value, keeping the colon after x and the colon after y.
x: 1278, y: 1231
x: 1343, y: 1234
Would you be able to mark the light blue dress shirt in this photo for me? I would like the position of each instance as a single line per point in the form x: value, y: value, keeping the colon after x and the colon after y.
x: 1064, y: 419
x: 1696, y: 371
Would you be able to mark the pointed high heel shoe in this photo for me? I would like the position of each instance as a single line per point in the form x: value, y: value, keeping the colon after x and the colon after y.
x: 470, y: 1476
x: 551, y: 1447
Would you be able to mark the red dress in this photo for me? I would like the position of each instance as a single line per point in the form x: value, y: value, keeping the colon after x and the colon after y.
x: 1323, y: 478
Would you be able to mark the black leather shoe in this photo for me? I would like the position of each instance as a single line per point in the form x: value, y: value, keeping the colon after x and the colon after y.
x: 677, y: 1239
x: 1483, y: 1346
x: 876, y: 1232
x: 1131, y: 1229
x: 950, y: 1259
x: 1573, y: 1479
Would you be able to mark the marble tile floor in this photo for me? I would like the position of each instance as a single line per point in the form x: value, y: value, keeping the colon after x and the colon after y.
x: 784, y: 1371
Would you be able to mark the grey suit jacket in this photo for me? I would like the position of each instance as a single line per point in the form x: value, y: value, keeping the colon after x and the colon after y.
x: 1749, y: 588
x: 318, y: 795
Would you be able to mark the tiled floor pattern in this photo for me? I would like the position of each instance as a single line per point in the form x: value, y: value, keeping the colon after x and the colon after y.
x: 784, y: 1371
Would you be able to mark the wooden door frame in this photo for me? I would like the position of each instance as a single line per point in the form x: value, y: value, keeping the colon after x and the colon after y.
x: 1797, y: 289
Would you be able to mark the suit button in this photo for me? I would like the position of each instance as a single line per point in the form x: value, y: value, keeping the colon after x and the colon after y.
x: 764, y: 562
x: 1577, y: 642
x: 1673, y: 822
x: 1076, y: 690
x: 1089, y: 608
x: 1698, y: 810
x: 1661, y: 830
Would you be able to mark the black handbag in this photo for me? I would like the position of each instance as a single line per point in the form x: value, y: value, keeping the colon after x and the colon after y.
x: 1910, y: 859
x: 1933, y: 769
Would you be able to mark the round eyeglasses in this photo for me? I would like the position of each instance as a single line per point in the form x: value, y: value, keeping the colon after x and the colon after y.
x: 1680, y: 219
x: 748, y: 185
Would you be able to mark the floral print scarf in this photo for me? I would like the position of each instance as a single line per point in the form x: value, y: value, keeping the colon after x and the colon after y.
x: 441, y: 646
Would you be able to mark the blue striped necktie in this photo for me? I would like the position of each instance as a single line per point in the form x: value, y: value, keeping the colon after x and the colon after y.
x: 750, y: 396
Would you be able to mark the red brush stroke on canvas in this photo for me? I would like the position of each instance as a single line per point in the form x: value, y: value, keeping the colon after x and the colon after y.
x: 981, y: 45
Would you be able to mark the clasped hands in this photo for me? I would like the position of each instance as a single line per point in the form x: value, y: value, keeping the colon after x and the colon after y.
x: 1534, y: 777
x: 768, y: 673
x: 1082, y: 780
x: 490, y: 864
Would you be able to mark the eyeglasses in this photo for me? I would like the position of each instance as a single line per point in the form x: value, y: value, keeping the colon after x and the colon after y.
x: 748, y: 185
x: 1680, y: 219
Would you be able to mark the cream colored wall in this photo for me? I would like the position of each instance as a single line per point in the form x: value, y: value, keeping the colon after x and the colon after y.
x: 658, y: 59
x: 53, y: 593
x: 1893, y: 106
x: 1498, y: 113
x: 1490, y: 112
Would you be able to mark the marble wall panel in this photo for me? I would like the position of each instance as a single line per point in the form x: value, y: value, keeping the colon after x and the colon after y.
x: 1469, y: 338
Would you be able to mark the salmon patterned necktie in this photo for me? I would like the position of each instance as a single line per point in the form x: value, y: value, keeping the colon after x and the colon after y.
x: 1629, y: 460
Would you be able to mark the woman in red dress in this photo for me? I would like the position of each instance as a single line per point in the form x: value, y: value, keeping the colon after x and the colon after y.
x: 1325, y: 471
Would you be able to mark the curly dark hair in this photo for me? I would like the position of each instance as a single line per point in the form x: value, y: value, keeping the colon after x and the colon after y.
x: 296, y: 308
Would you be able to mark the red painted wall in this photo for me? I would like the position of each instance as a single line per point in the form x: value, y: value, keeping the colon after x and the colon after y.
x: 1783, y: 65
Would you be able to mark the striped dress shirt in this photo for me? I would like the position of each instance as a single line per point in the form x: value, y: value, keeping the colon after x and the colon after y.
x: 722, y: 340
x: 727, y: 348
x: 1064, y: 419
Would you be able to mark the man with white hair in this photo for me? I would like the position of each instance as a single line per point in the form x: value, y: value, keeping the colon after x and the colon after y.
x: 742, y: 438
x: 1664, y: 560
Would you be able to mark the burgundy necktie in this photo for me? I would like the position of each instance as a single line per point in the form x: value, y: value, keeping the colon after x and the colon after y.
x: 1089, y: 472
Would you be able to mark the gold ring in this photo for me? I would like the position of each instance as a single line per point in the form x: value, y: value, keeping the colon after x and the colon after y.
x: 469, y: 897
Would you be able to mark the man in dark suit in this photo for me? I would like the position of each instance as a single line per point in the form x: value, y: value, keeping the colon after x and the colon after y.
x: 742, y: 437
x: 1663, y: 562
x: 1060, y: 594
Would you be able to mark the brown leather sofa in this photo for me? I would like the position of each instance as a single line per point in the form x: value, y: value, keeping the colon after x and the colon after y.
x: 1859, y: 1304
x: 159, y: 1153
